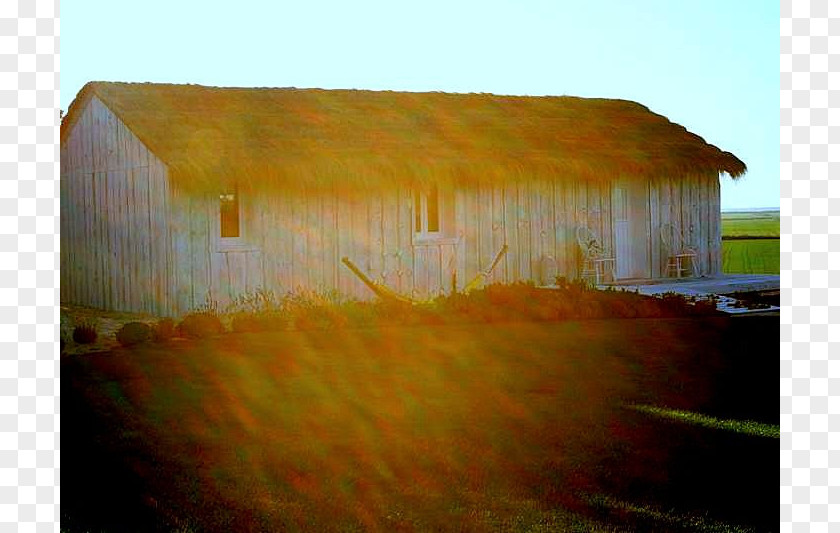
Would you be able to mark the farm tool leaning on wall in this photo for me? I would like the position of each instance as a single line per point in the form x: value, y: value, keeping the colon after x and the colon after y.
x: 385, y: 293
x: 378, y: 289
x: 484, y: 274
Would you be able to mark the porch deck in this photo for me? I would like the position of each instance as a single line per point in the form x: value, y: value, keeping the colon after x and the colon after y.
x: 721, y: 286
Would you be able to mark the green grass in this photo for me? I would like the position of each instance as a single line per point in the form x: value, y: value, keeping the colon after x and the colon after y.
x: 508, y: 427
x: 751, y: 242
x: 750, y: 224
x: 746, y: 427
x: 752, y: 256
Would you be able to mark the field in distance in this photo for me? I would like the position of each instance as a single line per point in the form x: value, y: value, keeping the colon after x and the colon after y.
x: 751, y: 242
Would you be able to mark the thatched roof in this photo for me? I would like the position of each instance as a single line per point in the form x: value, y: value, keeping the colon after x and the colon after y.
x: 207, y: 135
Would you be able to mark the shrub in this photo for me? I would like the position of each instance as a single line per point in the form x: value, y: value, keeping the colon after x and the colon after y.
x: 246, y: 323
x: 133, y: 333
x: 252, y: 322
x: 85, y: 333
x: 163, y: 330
x: 199, y: 325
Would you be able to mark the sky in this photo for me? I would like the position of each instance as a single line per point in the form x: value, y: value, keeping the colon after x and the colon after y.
x: 711, y: 66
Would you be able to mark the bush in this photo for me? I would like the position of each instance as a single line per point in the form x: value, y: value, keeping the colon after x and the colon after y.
x: 570, y: 300
x: 163, y: 330
x: 84, y: 333
x: 246, y: 323
x: 133, y: 333
x: 200, y: 325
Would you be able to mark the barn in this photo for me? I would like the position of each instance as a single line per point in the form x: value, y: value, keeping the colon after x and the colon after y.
x: 173, y: 196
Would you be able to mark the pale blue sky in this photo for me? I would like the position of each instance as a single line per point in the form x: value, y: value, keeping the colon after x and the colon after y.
x: 712, y: 66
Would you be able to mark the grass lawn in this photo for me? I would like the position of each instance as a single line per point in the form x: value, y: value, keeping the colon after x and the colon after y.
x: 752, y: 256
x: 751, y: 242
x: 600, y: 425
x: 751, y: 224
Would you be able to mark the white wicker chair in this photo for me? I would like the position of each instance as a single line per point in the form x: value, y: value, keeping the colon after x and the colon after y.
x: 677, y: 251
x: 597, y: 263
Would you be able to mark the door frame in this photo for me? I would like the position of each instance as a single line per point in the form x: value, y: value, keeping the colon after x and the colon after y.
x: 636, y: 192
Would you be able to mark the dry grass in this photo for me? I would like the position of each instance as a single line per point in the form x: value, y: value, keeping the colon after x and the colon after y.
x: 350, y: 139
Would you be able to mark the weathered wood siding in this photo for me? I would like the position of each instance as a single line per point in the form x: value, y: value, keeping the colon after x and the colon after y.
x: 115, y: 245
x: 691, y: 204
x: 295, y: 241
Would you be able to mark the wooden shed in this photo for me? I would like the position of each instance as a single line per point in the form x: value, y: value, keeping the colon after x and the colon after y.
x: 175, y: 195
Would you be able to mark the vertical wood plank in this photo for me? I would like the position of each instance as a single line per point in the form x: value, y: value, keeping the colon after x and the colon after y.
x: 93, y: 244
x: 330, y: 242
x: 344, y: 245
x: 420, y: 288
x: 523, y: 230
x: 300, y: 275
x: 484, y: 221
x: 376, y: 241
x: 405, y: 253
x: 63, y: 225
x: 655, y: 224
x: 360, y: 247
x: 202, y: 243
x: 103, y: 242
x: 535, y: 229
x: 606, y: 218
x: 507, y: 229
x: 472, y: 258
x: 685, y: 208
x: 390, y: 237
x: 460, y: 199
x: 560, y: 229
x: 435, y: 282
x: 500, y: 275
x: 314, y: 247
x: 548, y: 261
x: 695, y: 216
x: 706, y: 215
x: 89, y: 276
x: 573, y: 253
x: 141, y: 236
x: 180, y: 212
x: 716, y: 256
x: 171, y: 301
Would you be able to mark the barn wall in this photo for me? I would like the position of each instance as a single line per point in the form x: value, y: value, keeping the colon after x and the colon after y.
x: 296, y: 242
x: 114, y: 233
x: 537, y: 220
x: 693, y: 205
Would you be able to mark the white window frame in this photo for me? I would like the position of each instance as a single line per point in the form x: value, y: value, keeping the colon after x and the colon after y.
x: 231, y: 244
x: 421, y: 235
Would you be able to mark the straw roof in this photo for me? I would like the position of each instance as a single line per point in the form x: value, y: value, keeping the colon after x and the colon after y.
x: 279, y: 137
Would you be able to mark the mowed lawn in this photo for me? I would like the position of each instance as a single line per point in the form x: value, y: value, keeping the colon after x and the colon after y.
x: 751, y: 242
x: 541, y: 427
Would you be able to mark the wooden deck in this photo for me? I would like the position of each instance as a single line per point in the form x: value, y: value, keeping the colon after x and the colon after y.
x: 720, y: 286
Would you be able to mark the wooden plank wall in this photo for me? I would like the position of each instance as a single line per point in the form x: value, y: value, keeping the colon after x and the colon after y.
x: 114, y: 230
x: 691, y: 204
x: 296, y: 241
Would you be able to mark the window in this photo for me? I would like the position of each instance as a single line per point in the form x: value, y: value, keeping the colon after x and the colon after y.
x: 229, y: 214
x: 427, y: 212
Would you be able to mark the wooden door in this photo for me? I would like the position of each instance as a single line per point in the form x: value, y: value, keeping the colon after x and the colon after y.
x: 621, y: 211
x: 631, y: 229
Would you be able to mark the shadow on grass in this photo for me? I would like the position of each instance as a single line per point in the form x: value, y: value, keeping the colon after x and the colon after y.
x: 510, y: 427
